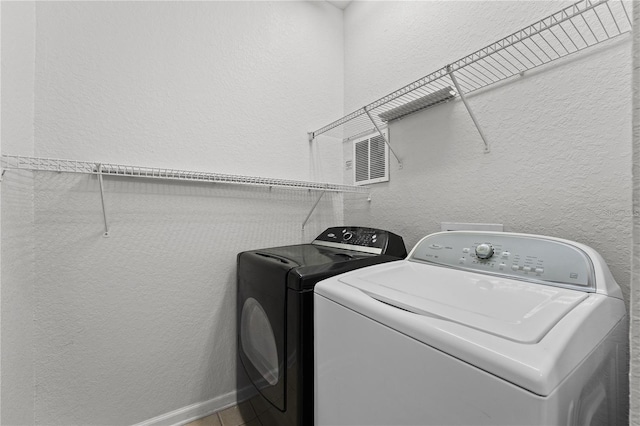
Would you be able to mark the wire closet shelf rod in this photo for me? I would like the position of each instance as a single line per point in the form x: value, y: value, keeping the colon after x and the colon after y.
x: 577, y: 27
x: 109, y: 169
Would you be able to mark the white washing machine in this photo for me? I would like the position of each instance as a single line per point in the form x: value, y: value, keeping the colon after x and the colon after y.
x: 474, y: 328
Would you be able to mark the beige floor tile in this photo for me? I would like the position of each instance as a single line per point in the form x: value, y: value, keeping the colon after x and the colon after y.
x: 254, y: 422
x: 237, y: 415
x: 212, y: 420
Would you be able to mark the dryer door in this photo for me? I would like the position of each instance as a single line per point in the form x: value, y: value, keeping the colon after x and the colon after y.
x: 262, y: 290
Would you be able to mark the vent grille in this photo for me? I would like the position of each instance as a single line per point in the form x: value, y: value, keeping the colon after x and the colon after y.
x: 362, y: 160
x: 371, y: 156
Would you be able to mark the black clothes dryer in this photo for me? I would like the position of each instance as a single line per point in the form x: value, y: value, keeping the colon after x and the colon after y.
x: 275, y: 310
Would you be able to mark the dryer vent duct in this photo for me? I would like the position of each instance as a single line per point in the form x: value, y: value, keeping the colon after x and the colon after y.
x: 435, y: 98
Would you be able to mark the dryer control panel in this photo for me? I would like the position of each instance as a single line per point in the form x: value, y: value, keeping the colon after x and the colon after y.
x: 368, y: 240
x: 529, y: 258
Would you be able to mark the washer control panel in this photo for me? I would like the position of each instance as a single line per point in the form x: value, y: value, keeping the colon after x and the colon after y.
x: 530, y: 258
x: 369, y: 240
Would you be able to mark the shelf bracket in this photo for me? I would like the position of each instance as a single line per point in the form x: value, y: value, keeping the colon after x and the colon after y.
x: 104, y: 210
x: 471, y: 114
x: 312, y: 209
x: 383, y: 137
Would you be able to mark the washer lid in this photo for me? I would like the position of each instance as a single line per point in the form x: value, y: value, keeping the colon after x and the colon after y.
x: 516, y: 310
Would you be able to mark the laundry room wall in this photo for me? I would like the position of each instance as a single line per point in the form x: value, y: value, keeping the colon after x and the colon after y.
x: 16, y: 230
x: 560, y: 136
x: 634, y: 335
x: 140, y: 324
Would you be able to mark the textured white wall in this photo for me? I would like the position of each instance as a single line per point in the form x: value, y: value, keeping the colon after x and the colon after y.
x: 136, y: 325
x: 17, y: 256
x: 634, y: 335
x: 0, y: 222
x: 115, y: 80
x: 560, y: 136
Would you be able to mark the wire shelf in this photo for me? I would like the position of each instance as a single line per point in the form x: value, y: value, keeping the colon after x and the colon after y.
x: 109, y: 169
x: 573, y: 29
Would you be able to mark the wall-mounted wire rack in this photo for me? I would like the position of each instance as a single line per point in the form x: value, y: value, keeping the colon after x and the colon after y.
x: 109, y: 169
x: 575, y: 28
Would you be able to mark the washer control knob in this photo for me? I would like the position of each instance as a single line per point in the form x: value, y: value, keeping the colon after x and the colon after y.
x: 347, y: 236
x: 484, y: 251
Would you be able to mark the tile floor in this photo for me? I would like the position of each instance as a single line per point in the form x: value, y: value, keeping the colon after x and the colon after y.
x: 248, y: 413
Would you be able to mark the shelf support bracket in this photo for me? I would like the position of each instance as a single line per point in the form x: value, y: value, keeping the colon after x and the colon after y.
x: 383, y: 137
x: 466, y: 104
x: 312, y: 209
x: 104, y: 210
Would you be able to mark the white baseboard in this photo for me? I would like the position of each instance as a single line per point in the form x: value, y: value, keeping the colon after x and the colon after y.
x: 201, y: 409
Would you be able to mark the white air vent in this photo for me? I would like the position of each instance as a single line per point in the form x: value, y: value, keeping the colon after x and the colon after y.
x: 371, y: 159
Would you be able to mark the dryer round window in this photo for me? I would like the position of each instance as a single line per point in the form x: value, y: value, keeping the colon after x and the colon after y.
x: 258, y: 340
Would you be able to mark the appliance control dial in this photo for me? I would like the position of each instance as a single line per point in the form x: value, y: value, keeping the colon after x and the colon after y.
x: 347, y: 236
x: 484, y: 251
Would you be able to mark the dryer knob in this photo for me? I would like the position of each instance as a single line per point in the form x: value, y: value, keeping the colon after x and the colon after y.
x: 484, y: 251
